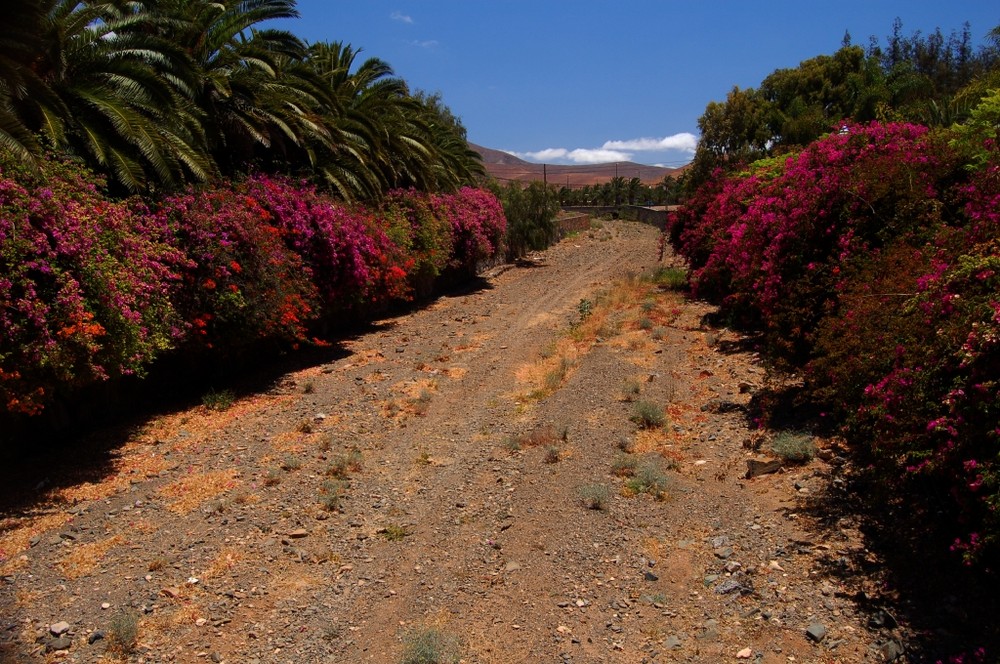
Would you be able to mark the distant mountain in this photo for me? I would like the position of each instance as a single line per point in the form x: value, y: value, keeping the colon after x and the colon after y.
x: 496, y: 156
x: 505, y: 166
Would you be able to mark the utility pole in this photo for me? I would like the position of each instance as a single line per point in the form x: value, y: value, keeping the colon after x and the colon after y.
x: 545, y: 175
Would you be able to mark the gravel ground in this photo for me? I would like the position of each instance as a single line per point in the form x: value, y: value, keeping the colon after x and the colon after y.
x: 455, y: 484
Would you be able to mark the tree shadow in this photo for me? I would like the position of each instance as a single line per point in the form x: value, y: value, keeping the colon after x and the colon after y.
x: 919, y: 596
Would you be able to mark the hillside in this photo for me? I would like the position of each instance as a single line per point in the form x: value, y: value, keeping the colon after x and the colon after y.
x: 505, y: 166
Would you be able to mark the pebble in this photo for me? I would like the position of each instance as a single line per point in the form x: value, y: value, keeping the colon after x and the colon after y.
x: 816, y: 632
x: 95, y: 636
x: 62, y: 643
x: 746, y: 653
x: 59, y: 628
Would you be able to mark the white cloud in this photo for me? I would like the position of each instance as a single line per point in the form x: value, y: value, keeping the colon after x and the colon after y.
x: 401, y: 17
x: 597, y: 156
x: 614, y: 151
x: 578, y: 156
x: 427, y: 43
x: 549, y: 154
x: 684, y: 142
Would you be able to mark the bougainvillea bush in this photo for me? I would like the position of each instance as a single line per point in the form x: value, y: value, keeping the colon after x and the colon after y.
x: 869, y: 262
x: 352, y: 258
x: 773, y: 243
x: 240, y: 281
x: 85, y: 285
x: 92, y: 288
x: 426, y: 237
x: 478, y: 226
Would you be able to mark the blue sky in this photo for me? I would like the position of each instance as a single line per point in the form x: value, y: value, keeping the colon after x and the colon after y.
x: 586, y: 81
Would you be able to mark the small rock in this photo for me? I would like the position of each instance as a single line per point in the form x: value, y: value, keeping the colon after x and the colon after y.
x: 298, y: 533
x: 891, y: 651
x: 816, y: 632
x: 746, y: 653
x: 62, y: 643
x: 755, y: 467
x: 59, y: 628
x: 724, y: 552
x: 672, y: 643
x: 728, y: 586
x: 172, y: 592
x: 105, y: 605
x: 95, y: 636
x: 649, y: 576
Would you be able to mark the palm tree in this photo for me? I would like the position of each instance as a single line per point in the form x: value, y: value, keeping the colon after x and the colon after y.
x: 372, y: 139
x: 20, y: 43
x: 87, y: 80
x: 252, y: 92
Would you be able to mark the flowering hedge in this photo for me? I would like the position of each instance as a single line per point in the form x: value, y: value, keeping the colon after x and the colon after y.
x: 871, y: 261
x: 478, y: 226
x: 92, y: 288
x: 85, y: 286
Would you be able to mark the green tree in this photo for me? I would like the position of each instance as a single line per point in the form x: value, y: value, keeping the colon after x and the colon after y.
x: 531, y: 216
x: 733, y: 133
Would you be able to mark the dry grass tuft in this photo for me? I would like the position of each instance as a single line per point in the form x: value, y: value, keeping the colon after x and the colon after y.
x: 195, y: 489
x: 84, y: 558
x: 17, y: 533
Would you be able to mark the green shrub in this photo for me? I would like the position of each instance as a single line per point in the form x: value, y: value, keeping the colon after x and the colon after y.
x: 673, y: 278
x: 649, y: 478
x: 624, y: 464
x: 594, y: 496
x: 123, y: 632
x: 793, y: 447
x: 221, y: 400
x: 649, y: 415
x: 429, y: 645
x: 531, y: 216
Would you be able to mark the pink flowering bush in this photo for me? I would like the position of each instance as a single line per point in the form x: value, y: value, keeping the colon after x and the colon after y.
x: 478, y: 226
x: 871, y: 261
x: 425, y: 236
x: 349, y: 251
x: 85, y: 285
x: 92, y: 289
x: 241, y: 282
x: 771, y: 245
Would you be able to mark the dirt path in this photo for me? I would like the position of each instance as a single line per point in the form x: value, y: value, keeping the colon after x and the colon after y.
x: 428, y: 492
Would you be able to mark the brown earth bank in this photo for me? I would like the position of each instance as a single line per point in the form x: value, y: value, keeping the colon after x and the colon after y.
x: 507, y: 167
x: 485, y: 479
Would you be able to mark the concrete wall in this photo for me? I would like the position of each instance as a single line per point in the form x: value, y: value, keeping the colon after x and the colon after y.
x: 655, y: 216
x: 577, y: 222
